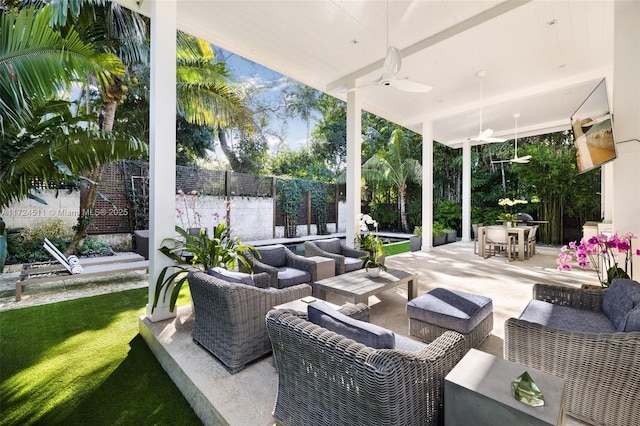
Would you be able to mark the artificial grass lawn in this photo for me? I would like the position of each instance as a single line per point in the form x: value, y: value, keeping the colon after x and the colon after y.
x: 82, y: 362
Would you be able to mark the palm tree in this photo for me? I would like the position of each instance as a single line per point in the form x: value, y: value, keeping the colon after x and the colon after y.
x: 206, y: 95
x: 301, y: 102
x: 37, y: 62
x: 394, y: 167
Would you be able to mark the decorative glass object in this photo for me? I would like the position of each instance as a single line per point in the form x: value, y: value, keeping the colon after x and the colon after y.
x: 525, y: 390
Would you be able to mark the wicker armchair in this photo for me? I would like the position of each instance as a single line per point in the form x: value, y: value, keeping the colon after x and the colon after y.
x: 285, y: 268
x: 229, y: 317
x: 601, y: 368
x: 327, y: 379
x: 345, y: 257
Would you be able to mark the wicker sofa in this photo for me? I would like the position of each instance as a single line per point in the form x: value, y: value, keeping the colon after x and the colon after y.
x: 325, y: 378
x: 229, y: 316
x: 345, y: 257
x: 591, y: 338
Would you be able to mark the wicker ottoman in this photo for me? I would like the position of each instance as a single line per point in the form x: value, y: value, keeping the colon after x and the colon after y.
x: 440, y: 310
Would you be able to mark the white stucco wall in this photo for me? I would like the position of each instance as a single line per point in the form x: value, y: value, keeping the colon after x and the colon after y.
x: 27, y: 212
x: 251, y: 218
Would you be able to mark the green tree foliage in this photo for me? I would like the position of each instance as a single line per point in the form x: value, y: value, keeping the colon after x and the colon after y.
x: 192, y: 142
x: 31, y: 72
x: 395, y: 168
x: 330, y: 134
x: 302, y: 164
x: 302, y: 101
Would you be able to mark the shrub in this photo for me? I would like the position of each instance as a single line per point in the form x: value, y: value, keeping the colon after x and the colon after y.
x: 50, y: 228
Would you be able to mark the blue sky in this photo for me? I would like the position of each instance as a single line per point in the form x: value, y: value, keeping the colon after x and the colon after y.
x: 272, y: 86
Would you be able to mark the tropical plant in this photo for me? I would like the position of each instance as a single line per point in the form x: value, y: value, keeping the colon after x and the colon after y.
x: 37, y: 67
x: 368, y: 240
x: 198, y: 253
x: 290, y: 192
x: 302, y: 101
x: 55, y: 149
x: 396, y: 168
x: 600, y: 250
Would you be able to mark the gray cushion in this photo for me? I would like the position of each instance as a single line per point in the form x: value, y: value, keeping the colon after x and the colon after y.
x: 404, y: 343
x: 622, y: 296
x: 632, y: 322
x: 567, y: 318
x: 273, y: 255
x: 451, y: 309
x: 352, y: 264
x: 362, y: 332
x: 332, y: 245
x: 231, y: 276
x: 288, y: 276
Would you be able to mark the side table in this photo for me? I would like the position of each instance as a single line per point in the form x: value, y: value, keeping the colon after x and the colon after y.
x: 478, y: 391
x: 326, y: 267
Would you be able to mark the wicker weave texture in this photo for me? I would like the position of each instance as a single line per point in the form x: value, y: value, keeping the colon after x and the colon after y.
x: 327, y: 379
x: 311, y: 249
x: 430, y: 332
x: 292, y: 260
x: 229, y: 317
x: 602, y: 371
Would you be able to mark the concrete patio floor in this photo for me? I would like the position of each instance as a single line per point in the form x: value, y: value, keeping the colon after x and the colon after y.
x: 248, y: 397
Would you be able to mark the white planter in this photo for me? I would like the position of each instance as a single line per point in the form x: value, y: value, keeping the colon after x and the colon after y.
x: 373, y: 272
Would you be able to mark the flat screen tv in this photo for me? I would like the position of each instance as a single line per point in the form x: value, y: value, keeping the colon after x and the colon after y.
x: 592, y: 127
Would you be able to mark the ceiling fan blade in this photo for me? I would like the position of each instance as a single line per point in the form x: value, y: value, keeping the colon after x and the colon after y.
x: 522, y: 160
x: 485, y: 134
x: 491, y: 140
x: 410, y: 86
x: 392, y: 62
x: 501, y: 161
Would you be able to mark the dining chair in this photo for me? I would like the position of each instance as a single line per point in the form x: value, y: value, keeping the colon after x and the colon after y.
x: 530, y: 245
x: 474, y: 229
x: 498, y: 238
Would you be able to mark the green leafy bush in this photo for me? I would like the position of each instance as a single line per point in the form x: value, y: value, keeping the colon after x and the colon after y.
x: 50, y: 228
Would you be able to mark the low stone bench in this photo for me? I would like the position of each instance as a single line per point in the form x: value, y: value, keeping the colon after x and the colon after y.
x: 439, y: 310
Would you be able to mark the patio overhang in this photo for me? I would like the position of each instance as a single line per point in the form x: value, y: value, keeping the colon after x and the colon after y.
x: 543, y: 59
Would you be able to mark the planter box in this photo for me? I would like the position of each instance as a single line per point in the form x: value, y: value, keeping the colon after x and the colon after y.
x: 439, y: 240
x: 416, y: 243
x: 452, y: 236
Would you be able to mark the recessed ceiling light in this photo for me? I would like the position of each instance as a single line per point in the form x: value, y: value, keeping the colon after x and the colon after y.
x: 552, y: 22
x: 354, y: 41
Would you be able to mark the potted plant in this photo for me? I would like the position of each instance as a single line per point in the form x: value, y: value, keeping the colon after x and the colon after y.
x: 600, y: 253
x: 198, y: 253
x: 439, y: 234
x: 416, y: 239
x: 373, y: 262
x: 452, y: 235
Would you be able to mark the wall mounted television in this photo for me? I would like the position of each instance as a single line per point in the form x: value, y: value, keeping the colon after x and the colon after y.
x: 592, y: 126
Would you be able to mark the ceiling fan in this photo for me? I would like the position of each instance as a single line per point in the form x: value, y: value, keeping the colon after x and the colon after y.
x: 391, y: 69
x: 484, y: 135
x: 522, y: 160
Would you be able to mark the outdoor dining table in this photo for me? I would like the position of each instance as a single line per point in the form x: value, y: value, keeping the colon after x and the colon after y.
x: 521, y: 233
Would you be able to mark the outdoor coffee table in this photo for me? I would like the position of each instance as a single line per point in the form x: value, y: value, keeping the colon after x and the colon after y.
x: 360, y: 286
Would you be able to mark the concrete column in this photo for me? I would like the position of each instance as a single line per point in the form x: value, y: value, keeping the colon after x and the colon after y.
x: 162, y: 137
x: 427, y: 185
x: 626, y: 110
x: 354, y: 156
x: 466, y: 191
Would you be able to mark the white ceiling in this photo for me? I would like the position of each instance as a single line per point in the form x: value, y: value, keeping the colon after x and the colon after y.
x: 542, y: 57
